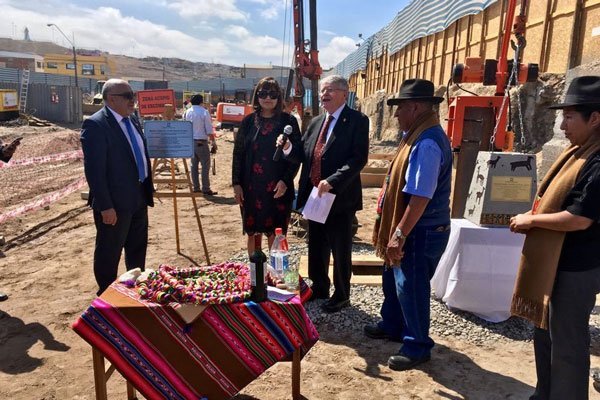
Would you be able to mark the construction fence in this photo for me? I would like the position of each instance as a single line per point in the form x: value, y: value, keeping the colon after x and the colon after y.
x: 560, y: 35
x: 52, y: 102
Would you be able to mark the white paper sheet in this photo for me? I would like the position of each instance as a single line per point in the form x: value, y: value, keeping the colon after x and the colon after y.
x: 317, y: 208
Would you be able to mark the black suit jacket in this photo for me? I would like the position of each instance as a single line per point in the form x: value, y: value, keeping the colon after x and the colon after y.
x: 109, y: 163
x: 344, y: 156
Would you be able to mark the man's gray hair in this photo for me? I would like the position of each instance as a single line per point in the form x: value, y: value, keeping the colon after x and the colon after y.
x: 337, y: 81
x: 110, y: 84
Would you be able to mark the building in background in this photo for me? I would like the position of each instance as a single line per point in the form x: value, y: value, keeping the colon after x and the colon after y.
x: 11, y: 59
x: 89, y: 65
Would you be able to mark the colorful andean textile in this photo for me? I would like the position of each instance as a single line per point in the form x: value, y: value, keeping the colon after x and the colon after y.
x: 214, y: 357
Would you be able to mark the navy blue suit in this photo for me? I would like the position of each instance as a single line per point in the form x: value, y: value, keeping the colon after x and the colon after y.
x: 112, y: 176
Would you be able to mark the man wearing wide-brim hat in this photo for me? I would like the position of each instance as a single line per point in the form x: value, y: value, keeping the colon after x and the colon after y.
x: 559, y: 273
x: 413, y: 223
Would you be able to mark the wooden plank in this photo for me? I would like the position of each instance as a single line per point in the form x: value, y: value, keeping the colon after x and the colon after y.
x: 373, y: 279
x: 296, y: 358
x: 382, y: 156
x: 375, y: 170
x: 371, y: 180
x: 177, y: 194
x: 99, y: 375
x: 165, y: 180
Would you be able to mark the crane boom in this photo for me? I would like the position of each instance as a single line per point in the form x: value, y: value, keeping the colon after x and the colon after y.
x: 306, y: 57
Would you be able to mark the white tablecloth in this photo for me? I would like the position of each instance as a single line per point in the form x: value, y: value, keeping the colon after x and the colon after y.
x: 478, y: 269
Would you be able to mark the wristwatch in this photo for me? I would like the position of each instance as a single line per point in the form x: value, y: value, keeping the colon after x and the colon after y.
x: 399, y: 234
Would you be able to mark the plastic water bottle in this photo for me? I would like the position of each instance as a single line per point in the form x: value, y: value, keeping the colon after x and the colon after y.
x: 280, y: 259
x: 279, y: 255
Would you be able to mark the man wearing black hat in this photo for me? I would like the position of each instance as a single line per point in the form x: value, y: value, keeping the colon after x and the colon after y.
x: 559, y: 274
x: 413, y: 224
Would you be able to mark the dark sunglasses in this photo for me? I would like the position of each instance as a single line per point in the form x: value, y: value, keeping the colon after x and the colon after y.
x: 126, y: 95
x: 262, y: 94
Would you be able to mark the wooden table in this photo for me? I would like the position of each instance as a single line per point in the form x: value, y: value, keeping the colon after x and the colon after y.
x: 161, y: 354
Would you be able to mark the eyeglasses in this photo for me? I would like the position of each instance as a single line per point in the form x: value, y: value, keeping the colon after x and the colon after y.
x: 126, y: 95
x: 262, y: 94
x: 329, y: 90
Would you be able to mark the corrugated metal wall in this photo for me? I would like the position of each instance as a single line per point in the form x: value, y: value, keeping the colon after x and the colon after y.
x: 13, y: 75
x: 418, y: 19
x: 561, y: 34
x: 52, y: 102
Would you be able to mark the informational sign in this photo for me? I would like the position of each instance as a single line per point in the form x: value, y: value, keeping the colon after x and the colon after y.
x: 169, y: 139
x: 10, y: 99
x: 234, y: 110
x: 152, y: 102
x: 511, y: 188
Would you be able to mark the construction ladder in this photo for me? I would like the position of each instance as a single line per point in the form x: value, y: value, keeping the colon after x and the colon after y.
x: 24, y: 90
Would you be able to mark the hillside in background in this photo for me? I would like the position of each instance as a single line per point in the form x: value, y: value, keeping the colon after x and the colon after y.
x: 174, y: 69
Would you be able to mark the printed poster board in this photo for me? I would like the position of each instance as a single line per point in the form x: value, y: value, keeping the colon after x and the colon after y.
x: 152, y: 102
x: 169, y: 139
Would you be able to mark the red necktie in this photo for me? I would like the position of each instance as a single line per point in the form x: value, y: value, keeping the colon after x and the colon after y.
x: 315, y: 168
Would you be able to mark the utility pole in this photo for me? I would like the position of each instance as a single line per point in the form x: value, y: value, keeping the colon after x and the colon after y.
x: 72, y: 42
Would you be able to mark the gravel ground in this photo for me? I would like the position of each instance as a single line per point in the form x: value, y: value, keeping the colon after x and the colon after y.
x: 366, y: 302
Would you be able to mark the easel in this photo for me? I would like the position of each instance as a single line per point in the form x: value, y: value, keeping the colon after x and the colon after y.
x: 173, y: 181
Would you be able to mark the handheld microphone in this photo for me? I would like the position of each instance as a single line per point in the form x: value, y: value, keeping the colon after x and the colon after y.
x: 279, y: 150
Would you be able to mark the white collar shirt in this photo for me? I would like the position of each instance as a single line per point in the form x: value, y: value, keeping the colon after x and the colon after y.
x: 201, y: 122
x: 336, y: 116
x: 138, y: 137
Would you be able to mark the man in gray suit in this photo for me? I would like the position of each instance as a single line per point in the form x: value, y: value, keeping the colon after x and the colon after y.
x: 117, y: 168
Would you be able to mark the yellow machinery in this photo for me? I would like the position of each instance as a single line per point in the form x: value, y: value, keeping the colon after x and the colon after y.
x: 9, y: 104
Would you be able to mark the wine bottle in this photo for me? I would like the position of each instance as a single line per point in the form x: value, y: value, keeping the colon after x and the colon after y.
x: 257, y: 272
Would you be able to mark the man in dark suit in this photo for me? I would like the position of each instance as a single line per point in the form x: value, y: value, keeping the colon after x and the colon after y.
x: 335, y: 149
x: 117, y: 168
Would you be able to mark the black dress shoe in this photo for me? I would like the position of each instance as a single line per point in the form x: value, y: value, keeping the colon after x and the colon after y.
x: 403, y: 363
x: 316, y: 295
x: 3, y: 296
x: 210, y: 193
x: 375, y: 332
x: 333, y: 306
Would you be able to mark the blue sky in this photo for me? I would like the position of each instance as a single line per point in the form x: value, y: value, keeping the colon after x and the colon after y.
x: 234, y: 32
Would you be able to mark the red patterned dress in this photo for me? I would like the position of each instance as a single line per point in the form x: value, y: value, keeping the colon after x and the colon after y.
x: 261, y: 212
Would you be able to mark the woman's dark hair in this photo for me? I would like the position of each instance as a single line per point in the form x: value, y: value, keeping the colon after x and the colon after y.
x: 586, y: 111
x: 269, y: 84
